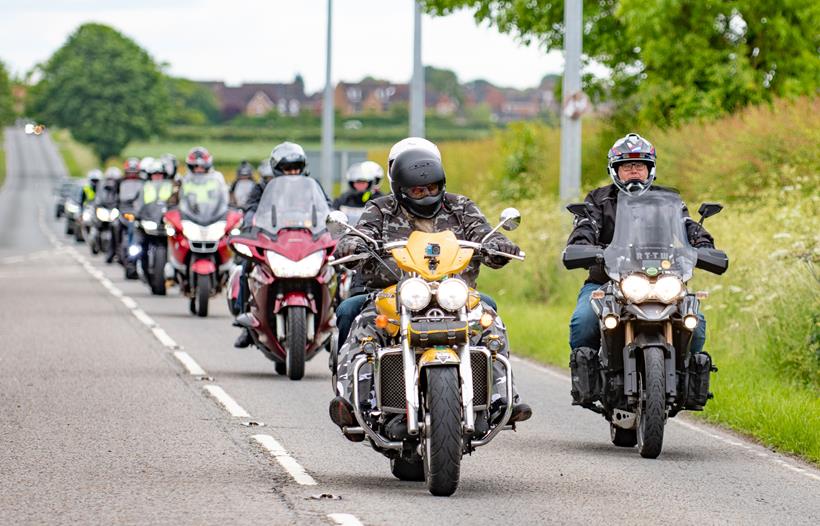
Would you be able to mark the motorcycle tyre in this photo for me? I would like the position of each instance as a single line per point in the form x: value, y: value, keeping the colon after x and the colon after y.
x: 406, y: 470
x: 442, y: 443
x: 652, y: 412
x: 78, y: 234
x: 295, y: 342
x: 622, y: 437
x: 95, y: 244
x: 157, y: 276
x: 203, y: 294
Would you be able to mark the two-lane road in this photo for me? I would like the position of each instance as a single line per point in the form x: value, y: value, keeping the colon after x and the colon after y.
x: 102, y: 422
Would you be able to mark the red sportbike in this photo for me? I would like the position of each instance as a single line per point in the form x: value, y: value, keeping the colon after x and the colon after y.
x: 198, y: 239
x: 290, y: 282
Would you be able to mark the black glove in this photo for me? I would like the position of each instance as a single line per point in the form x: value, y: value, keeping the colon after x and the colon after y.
x: 348, y: 246
x: 502, y: 244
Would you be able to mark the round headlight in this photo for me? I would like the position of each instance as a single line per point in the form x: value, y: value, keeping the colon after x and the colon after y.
x: 668, y: 288
x: 452, y: 294
x: 415, y: 294
x: 636, y: 287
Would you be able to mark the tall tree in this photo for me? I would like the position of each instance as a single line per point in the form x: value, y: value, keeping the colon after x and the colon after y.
x: 445, y: 82
x: 6, y: 104
x: 191, y: 103
x: 103, y: 87
x: 673, y: 60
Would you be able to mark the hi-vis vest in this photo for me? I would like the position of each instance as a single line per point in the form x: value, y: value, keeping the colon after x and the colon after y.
x: 204, y: 191
x: 157, y: 191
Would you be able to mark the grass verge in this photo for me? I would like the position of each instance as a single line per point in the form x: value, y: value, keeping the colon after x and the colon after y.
x: 2, y: 166
x: 78, y: 158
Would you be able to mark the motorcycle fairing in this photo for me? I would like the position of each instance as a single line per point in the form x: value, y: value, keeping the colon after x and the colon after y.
x: 204, y: 266
x: 432, y: 256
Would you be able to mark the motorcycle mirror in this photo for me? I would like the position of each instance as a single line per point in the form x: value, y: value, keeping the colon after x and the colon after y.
x: 579, y: 209
x: 708, y: 210
x: 336, y: 222
x: 510, y: 218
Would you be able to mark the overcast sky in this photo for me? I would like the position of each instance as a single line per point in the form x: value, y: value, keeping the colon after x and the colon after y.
x: 245, y: 41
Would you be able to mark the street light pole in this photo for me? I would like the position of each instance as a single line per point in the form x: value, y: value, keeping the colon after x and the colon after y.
x: 326, y: 175
x: 570, y: 181
x: 417, y: 82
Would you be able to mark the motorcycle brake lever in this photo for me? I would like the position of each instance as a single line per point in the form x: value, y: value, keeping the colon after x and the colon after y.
x: 520, y: 257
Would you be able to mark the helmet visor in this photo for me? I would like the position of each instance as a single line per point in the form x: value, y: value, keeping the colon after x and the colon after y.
x: 418, y: 192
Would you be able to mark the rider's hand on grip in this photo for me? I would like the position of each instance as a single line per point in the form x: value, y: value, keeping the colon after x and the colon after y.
x: 348, y: 247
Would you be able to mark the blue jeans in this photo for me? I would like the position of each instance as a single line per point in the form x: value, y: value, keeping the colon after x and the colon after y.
x: 347, y: 311
x: 584, y: 329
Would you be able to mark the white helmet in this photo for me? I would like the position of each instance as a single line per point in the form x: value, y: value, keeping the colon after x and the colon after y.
x: 407, y: 144
x: 368, y: 171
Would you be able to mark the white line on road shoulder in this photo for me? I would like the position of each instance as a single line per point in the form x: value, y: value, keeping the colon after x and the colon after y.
x: 288, y: 462
x: 344, y: 519
x: 227, y: 402
x: 164, y: 339
x: 143, y: 318
x: 185, y: 359
x: 128, y: 302
x: 689, y: 425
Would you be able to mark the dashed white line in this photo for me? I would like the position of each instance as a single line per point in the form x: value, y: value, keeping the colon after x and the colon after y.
x: 144, y: 318
x: 193, y: 368
x: 344, y: 519
x: 227, y: 402
x: 128, y: 302
x: 286, y: 461
x: 164, y: 339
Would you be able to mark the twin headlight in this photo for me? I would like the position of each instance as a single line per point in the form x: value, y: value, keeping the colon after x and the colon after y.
x: 452, y: 294
x: 106, y: 215
x: 638, y: 288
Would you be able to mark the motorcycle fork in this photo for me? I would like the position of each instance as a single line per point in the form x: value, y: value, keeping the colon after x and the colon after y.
x: 411, y: 380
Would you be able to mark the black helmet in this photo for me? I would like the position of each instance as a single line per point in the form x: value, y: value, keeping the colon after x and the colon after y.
x: 418, y: 168
x: 288, y: 156
x: 244, y: 171
x: 631, y: 148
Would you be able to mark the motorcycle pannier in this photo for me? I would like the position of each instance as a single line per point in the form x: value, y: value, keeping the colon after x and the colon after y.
x: 700, y: 366
x: 586, y: 375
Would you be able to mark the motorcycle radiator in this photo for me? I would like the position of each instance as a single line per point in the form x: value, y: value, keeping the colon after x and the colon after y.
x: 389, y: 376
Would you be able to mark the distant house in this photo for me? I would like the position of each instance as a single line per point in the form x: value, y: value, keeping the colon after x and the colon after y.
x: 258, y: 99
x: 509, y: 104
x: 369, y: 96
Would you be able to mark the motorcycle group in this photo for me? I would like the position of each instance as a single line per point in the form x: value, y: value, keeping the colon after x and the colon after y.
x: 386, y: 285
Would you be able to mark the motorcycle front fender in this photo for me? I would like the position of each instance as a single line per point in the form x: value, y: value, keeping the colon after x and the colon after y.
x: 295, y: 298
x: 203, y: 267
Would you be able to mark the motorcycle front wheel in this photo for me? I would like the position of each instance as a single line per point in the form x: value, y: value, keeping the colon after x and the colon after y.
x: 295, y: 341
x: 203, y: 294
x: 652, y: 404
x: 442, y: 439
x: 157, y: 276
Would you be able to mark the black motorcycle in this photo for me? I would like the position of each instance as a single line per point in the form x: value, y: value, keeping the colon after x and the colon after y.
x: 104, y: 214
x: 644, y: 371
x: 129, y: 193
x: 151, y: 242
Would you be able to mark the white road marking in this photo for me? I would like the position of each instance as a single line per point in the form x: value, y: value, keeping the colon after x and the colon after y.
x: 227, y: 402
x: 344, y: 519
x: 143, y: 318
x: 128, y: 302
x: 164, y: 339
x: 751, y: 447
x: 193, y: 368
x: 288, y: 462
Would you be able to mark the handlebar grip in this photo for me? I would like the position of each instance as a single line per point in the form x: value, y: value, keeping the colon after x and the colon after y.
x: 519, y: 257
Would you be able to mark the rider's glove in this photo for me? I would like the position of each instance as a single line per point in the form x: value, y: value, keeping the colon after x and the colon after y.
x: 348, y: 246
x: 501, y: 244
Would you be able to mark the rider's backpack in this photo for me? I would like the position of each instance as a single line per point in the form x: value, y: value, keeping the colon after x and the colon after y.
x: 586, y: 375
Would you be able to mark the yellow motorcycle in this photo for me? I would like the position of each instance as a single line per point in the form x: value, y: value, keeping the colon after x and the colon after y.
x: 432, y: 384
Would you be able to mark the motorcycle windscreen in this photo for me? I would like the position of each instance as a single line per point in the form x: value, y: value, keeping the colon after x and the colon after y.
x: 353, y: 213
x: 203, y: 199
x: 129, y: 191
x: 650, y: 237
x: 242, y: 190
x: 107, y: 196
x: 292, y: 202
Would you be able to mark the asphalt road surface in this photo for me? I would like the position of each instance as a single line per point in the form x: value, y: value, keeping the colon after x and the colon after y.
x: 120, y: 407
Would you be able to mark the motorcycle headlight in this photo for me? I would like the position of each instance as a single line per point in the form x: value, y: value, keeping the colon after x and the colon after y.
x: 415, y: 294
x: 72, y: 208
x: 86, y: 215
x: 103, y: 214
x: 149, y: 225
x: 636, y: 287
x: 114, y: 214
x: 452, y: 294
x: 195, y: 232
x: 283, y: 267
x: 668, y: 288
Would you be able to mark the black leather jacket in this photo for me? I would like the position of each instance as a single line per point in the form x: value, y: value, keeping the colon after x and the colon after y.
x: 599, y: 231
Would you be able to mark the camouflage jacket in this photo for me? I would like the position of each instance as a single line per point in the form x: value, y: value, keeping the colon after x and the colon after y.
x: 384, y: 220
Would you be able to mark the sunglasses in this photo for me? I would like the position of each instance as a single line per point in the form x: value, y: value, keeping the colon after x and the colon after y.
x: 417, y: 192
